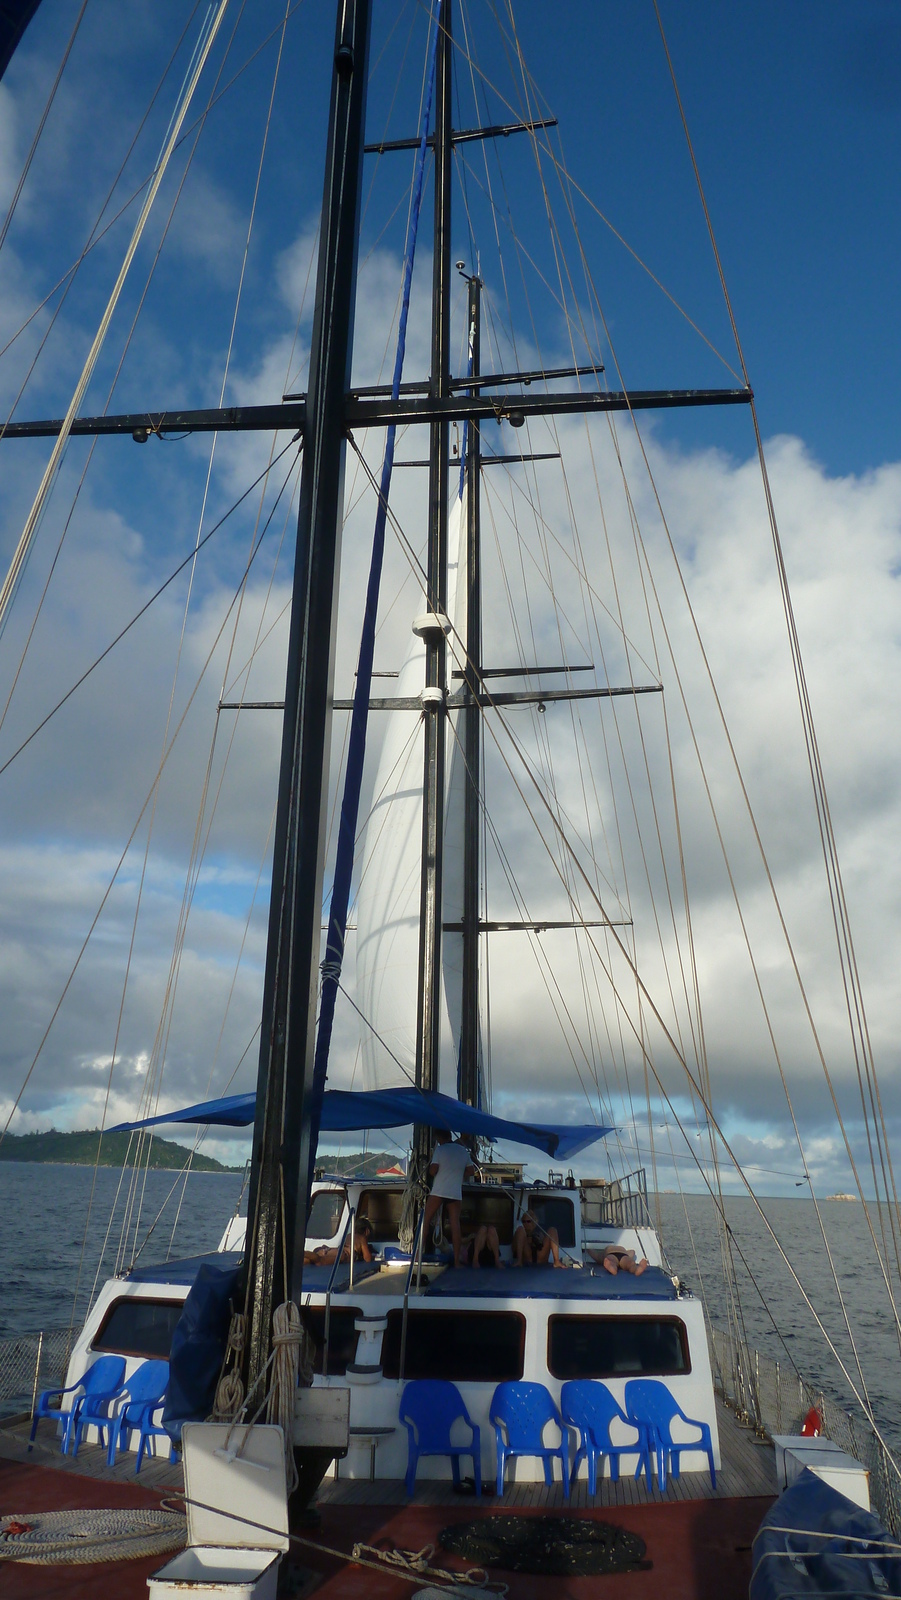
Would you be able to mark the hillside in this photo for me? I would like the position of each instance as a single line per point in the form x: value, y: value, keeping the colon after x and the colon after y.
x: 362, y: 1165
x: 80, y: 1150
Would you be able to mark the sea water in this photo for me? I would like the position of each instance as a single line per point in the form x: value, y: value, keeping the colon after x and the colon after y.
x: 57, y: 1242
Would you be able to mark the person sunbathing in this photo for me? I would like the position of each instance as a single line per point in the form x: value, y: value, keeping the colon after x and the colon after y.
x: 483, y: 1249
x: 617, y: 1259
x: 326, y: 1255
x: 534, y: 1246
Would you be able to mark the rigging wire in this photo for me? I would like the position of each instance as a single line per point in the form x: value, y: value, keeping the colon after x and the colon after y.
x: 23, y: 176
x: 147, y: 801
x: 199, y: 60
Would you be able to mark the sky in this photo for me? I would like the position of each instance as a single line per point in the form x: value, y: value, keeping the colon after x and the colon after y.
x: 793, y: 114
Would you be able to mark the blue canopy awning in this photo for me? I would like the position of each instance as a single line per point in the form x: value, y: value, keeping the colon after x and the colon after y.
x: 345, y: 1110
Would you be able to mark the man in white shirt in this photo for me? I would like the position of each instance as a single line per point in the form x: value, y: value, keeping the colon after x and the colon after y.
x: 451, y: 1166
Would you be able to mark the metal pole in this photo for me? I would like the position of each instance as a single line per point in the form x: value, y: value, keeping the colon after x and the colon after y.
x: 428, y: 1007
x: 287, y: 1115
x: 37, y: 1372
x: 468, y: 1086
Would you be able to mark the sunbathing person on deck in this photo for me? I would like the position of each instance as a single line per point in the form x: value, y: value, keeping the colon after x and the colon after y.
x: 325, y: 1255
x: 534, y: 1246
x: 483, y: 1249
x: 617, y: 1259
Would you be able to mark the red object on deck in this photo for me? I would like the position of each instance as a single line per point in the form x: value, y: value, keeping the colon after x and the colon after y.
x: 812, y: 1426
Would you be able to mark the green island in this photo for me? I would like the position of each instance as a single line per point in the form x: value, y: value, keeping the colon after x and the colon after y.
x: 80, y: 1150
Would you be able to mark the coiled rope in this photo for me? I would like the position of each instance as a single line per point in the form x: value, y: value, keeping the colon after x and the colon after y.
x: 78, y: 1538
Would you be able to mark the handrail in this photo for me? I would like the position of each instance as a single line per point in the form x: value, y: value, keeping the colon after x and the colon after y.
x: 414, y: 1259
x: 329, y: 1286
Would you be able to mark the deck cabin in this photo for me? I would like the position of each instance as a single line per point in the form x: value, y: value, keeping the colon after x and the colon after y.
x: 376, y: 1325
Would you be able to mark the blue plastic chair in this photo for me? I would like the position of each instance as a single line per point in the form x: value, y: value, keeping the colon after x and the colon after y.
x: 429, y: 1407
x: 145, y: 1391
x: 520, y: 1412
x: 589, y: 1406
x: 93, y: 1409
x: 103, y: 1378
x: 649, y: 1401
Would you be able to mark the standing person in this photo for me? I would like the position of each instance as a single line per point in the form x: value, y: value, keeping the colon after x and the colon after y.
x: 451, y: 1165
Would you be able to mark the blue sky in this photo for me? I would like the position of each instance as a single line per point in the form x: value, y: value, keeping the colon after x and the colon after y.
x: 793, y: 111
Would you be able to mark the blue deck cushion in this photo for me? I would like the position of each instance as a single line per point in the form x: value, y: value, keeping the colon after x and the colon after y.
x: 551, y: 1283
x: 316, y: 1279
x: 186, y: 1270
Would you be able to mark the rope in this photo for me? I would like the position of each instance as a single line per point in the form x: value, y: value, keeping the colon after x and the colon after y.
x: 417, y: 1563
x: 80, y: 1538
x: 230, y: 1388
x: 289, y: 1339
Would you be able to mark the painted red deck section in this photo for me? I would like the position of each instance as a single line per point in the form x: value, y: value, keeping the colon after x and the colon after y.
x: 698, y: 1549
x: 24, y: 1489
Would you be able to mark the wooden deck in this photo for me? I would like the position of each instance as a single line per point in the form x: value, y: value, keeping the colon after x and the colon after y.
x: 748, y: 1469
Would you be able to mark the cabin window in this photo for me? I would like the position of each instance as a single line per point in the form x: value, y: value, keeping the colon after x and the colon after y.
x: 464, y: 1346
x: 617, y: 1347
x: 383, y: 1207
x: 326, y: 1212
x: 553, y: 1211
x: 483, y: 1205
x: 136, y: 1327
x: 342, y: 1337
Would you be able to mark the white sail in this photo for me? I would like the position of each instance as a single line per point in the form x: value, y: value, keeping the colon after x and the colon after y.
x: 455, y: 802
x: 388, y: 898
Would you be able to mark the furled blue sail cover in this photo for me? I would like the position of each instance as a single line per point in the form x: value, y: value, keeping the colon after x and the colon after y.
x: 815, y: 1541
x: 345, y: 1110
x: 15, y: 16
x: 198, y: 1346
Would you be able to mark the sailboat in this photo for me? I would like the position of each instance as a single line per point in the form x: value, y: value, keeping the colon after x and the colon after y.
x: 437, y: 891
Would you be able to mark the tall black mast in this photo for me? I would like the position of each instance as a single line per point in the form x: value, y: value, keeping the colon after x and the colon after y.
x: 428, y: 1007
x: 282, y: 1133
x: 468, y: 1084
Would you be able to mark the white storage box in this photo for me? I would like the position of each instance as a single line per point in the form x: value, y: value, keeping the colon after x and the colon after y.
x: 237, y: 1515
x: 827, y: 1461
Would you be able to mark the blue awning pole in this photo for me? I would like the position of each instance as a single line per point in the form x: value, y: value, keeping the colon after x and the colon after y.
x: 356, y: 750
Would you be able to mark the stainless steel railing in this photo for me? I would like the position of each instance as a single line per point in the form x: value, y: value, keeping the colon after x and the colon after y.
x: 774, y: 1398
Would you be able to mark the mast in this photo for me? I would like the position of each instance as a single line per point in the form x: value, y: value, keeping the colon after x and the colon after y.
x: 429, y: 990
x: 287, y: 1110
x: 468, y: 1073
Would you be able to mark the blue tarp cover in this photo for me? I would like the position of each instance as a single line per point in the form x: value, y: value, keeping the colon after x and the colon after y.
x: 551, y: 1283
x: 831, y: 1547
x: 198, y: 1347
x: 344, y: 1111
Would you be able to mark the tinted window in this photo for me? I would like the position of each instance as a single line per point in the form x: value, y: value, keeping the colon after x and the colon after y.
x: 134, y: 1327
x: 552, y: 1211
x: 484, y: 1205
x: 383, y: 1207
x: 612, y: 1347
x: 325, y: 1213
x: 342, y: 1337
x: 464, y: 1346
